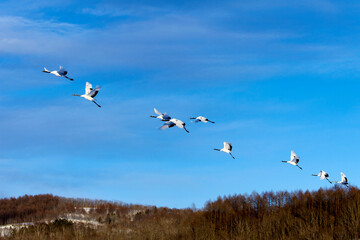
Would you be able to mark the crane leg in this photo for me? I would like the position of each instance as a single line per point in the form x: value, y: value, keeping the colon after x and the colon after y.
x: 96, y: 104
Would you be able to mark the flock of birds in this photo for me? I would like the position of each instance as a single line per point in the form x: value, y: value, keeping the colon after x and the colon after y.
x: 294, y: 160
x: 91, y: 92
x: 172, y: 122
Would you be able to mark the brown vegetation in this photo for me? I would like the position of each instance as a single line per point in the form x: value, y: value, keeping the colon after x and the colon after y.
x: 323, y: 214
x: 31, y: 208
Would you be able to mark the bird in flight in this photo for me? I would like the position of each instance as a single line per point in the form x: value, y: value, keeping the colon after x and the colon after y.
x: 60, y: 73
x: 174, y: 122
x: 226, y: 149
x: 201, y: 119
x: 323, y: 175
x: 90, y: 93
x: 344, y: 180
x: 294, y: 159
x: 161, y: 116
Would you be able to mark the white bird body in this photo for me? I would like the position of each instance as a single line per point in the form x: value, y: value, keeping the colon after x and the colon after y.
x: 161, y: 116
x: 226, y: 149
x: 90, y: 93
x: 323, y: 175
x: 202, y: 119
x: 344, y: 180
x: 174, y: 122
x: 59, y: 73
x: 294, y: 159
x: 56, y: 73
x: 87, y: 97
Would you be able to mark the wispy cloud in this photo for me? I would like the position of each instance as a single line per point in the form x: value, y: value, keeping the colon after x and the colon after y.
x: 163, y: 39
x: 317, y: 5
x: 23, y: 36
x: 169, y: 41
x: 126, y: 11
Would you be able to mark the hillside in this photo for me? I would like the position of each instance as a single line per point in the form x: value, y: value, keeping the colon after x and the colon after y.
x: 323, y: 214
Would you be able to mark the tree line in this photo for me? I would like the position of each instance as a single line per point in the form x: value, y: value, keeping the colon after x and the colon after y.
x: 323, y: 214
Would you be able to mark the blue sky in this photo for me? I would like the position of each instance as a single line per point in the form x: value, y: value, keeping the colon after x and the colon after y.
x: 273, y: 75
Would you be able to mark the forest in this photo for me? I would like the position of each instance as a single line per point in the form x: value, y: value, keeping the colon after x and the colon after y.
x: 332, y: 213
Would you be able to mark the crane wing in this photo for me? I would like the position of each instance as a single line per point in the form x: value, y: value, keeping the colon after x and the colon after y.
x: 166, y: 117
x: 343, y: 177
x: 167, y: 125
x: 228, y: 146
x: 294, y: 160
x: 157, y: 112
x: 94, y: 92
x: 323, y: 175
x: 88, y: 88
x: 62, y: 71
x: 293, y: 155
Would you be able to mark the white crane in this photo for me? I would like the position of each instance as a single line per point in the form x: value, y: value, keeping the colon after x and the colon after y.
x: 90, y: 93
x: 226, y: 149
x: 60, y: 73
x: 294, y: 159
x: 174, y: 122
x: 201, y: 119
x: 323, y: 175
x: 344, y: 180
x: 161, y: 116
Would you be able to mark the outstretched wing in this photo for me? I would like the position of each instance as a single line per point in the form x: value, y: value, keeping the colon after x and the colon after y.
x: 157, y: 112
x: 294, y: 155
x: 167, y: 125
x: 94, y: 92
x: 343, y: 177
x: 294, y: 158
x: 228, y: 146
x: 88, y: 88
x: 62, y: 71
x: 166, y: 117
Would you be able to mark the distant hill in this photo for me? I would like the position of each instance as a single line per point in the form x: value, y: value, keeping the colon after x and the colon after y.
x: 323, y: 214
